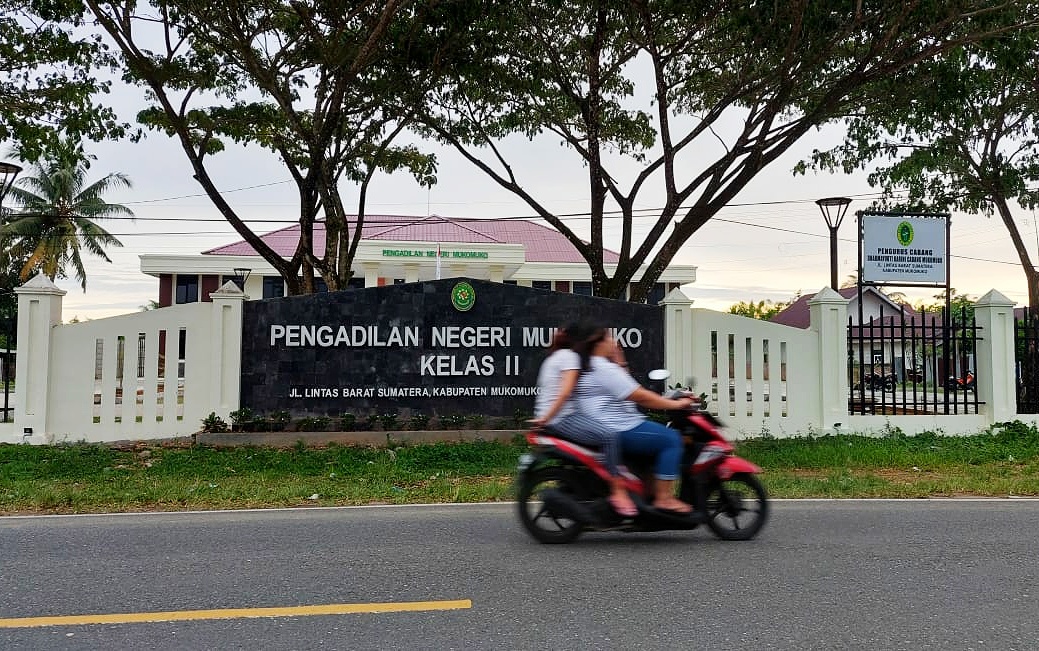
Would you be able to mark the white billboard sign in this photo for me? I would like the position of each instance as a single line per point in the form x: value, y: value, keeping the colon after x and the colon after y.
x: 897, y: 249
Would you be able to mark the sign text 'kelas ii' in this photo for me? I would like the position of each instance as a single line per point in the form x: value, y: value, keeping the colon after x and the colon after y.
x: 444, y: 347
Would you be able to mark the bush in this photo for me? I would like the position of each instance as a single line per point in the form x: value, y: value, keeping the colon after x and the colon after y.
x: 419, y: 421
x: 347, y: 422
x: 313, y: 424
x: 242, y: 419
x: 213, y: 423
x: 388, y: 421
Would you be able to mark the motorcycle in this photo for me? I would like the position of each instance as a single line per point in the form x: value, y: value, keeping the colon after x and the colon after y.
x: 563, y: 487
x: 879, y: 382
x: 957, y: 383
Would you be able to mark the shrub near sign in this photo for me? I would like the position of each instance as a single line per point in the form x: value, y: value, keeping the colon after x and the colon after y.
x: 444, y: 347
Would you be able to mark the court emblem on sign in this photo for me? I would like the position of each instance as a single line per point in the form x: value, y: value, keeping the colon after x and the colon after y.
x: 463, y: 297
x: 904, y: 233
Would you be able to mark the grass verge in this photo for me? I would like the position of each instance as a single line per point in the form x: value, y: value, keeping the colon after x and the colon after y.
x: 83, y: 478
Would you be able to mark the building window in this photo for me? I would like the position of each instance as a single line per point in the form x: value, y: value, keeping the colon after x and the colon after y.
x: 582, y: 288
x: 273, y: 287
x: 398, y: 281
x: 542, y: 284
x: 657, y: 293
x: 187, y: 289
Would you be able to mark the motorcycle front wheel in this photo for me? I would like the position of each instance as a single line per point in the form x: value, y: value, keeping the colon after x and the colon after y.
x: 537, y: 519
x: 737, y: 507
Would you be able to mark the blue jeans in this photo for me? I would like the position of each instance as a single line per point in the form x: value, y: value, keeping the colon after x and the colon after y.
x: 650, y: 438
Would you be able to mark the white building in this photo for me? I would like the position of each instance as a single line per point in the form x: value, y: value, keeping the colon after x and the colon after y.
x: 398, y: 249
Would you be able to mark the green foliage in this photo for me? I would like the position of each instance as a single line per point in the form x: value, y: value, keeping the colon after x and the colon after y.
x: 419, y: 421
x: 50, y: 85
x: 389, y: 420
x: 57, y: 209
x: 214, y: 424
x: 313, y: 424
x: 453, y: 421
x: 93, y: 477
x: 979, y: 155
x: 325, y: 90
x: 566, y: 72
x: 763, y: 310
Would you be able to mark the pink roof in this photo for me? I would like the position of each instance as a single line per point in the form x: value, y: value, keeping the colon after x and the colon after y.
x: 541, y: 243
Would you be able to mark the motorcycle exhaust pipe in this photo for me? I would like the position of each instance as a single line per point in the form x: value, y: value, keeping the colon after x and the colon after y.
x: 564, y: 506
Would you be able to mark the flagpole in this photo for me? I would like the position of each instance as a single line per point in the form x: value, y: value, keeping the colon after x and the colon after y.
x: 438, y: 261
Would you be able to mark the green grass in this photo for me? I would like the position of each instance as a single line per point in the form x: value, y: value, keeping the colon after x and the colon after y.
x: 97, y: 478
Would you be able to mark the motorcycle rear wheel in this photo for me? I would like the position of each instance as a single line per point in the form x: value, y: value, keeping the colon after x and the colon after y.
x: 737, y: 508
x: 544, y: 526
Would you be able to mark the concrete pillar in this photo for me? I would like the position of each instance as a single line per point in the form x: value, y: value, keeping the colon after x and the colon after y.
x: 829, y: 319
x: 411, y: 273
x: 994, y: 356
x: 497, y: 272
x: 371, y: 274
x: 226, y: 361
x: 678, y: 336
x: 39, y: 310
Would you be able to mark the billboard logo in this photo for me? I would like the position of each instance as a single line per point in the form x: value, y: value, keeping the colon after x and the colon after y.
x: 463, y: 297
x: 904, y: 233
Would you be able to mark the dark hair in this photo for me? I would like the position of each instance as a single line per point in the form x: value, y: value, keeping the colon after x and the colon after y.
x: 592, y: 336
x: 568, y: 336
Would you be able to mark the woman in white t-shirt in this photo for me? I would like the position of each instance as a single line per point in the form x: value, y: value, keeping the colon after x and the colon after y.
x: 554, y: 407
x: 607, y: 393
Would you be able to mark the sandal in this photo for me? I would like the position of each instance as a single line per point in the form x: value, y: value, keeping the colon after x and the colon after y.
x: 623, y: 507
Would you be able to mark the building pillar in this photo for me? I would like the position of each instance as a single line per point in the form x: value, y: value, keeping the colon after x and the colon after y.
x: 678, y: 337
x: 994, y: 376
x: 829, y: 320
x: 226, y: 361
x: 411, y: 273
x: 39, y: 310
x: 497, y: 272
x: 371, y: 274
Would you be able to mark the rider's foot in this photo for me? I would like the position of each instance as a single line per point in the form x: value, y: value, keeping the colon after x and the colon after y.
x: 622, y: 503
x: 672, y: 504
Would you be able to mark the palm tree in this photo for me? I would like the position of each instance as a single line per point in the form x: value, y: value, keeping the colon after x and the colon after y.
x: 55, y: 220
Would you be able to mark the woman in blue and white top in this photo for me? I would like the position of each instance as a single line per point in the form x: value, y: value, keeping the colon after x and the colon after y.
x: 554, y: 407
x: 609, y: 394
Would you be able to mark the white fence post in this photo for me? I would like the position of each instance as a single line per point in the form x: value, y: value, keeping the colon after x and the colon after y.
x: 226, y: 362
x: 39, y: 310
x: 678, y: 336
x: 829, y: 319
x: 994, y: 380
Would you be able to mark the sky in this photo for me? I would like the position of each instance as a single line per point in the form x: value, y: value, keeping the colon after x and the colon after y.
x: 770, y: 243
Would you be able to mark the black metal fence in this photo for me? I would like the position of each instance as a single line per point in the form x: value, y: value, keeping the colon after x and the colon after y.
x: 909, y: 362
x: 8, y: 337
x: 1026, y: 353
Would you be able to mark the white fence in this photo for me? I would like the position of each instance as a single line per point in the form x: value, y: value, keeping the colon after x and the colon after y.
x: 767, y: 379
x: 138, y: 376
x: 158, y: 374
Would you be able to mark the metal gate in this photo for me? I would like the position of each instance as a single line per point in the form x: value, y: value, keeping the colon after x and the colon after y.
x: 1026, y: 352
x: 913, y: 363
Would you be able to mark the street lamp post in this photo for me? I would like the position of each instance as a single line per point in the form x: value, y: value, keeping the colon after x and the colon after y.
x: 243, y: 273
x: 833, y: 209
x: 8, y: 173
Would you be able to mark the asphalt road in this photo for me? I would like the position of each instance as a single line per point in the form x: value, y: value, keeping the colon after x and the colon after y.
x: 822, y: 575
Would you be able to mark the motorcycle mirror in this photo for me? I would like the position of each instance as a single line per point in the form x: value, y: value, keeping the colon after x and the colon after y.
x: 659, y: 374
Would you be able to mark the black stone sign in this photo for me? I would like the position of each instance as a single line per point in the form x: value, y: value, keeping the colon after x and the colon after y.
x: 443, y: 347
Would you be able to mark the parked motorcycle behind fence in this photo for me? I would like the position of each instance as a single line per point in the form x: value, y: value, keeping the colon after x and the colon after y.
x: 966, y: 383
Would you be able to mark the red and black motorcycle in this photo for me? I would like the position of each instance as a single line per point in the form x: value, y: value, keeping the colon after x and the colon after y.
x: 563, y: 487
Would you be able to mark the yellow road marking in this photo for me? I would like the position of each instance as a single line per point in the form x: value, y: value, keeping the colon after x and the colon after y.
x: 234, y: 613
